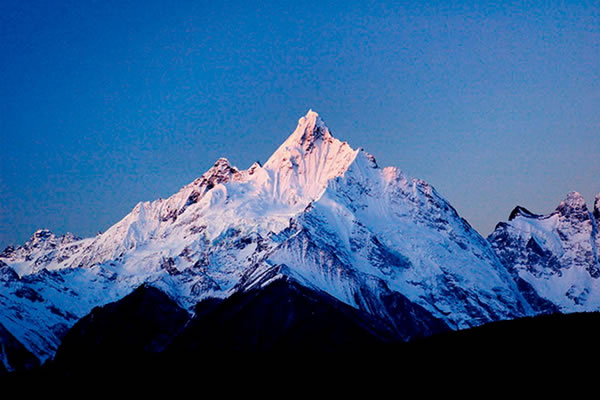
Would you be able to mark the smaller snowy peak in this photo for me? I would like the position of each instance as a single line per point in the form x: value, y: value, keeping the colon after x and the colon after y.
x: 220, y: 172
x: 597, y: 207
x: 573, y: 203
x: 556, y: 255
x: 45, y: 237
x: 41, y: 235
x: 43, y: 250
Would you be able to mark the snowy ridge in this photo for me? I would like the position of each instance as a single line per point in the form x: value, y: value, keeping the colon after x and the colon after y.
x: 318, y: 211
x: 556, y: 254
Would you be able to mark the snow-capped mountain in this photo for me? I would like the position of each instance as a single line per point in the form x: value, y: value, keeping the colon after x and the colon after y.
x: 318, y: 213
x: 556, y: 254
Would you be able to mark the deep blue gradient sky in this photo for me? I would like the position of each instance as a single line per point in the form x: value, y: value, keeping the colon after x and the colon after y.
x: 104, y: 104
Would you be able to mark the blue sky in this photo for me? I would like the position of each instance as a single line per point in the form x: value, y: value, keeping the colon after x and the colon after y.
x: 104, y: 104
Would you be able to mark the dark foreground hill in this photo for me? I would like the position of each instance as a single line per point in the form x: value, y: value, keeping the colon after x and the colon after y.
x: 291, y: 328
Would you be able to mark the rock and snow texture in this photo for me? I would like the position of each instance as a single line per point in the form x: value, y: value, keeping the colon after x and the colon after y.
x: 318, y: 211
x: 557, y: 254
x: 40, y: 307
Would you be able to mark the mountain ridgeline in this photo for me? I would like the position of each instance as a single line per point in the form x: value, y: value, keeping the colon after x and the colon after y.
x: 319, y: 249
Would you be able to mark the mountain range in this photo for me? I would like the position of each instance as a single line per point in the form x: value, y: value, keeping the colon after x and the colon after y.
x: 318, y: 248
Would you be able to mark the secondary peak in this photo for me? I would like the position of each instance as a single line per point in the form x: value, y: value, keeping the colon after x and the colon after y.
x: 574, y: 202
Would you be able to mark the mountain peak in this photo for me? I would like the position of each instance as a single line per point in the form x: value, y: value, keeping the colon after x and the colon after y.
x: 597, y: 206
x: 574, y: 202
x: 311, y: 117
x: 310, y: 133
x: 306, y: 161
x: 311, y: 128
x: 220, y: 171
x: 41, y: 235
x: 221, y: 163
